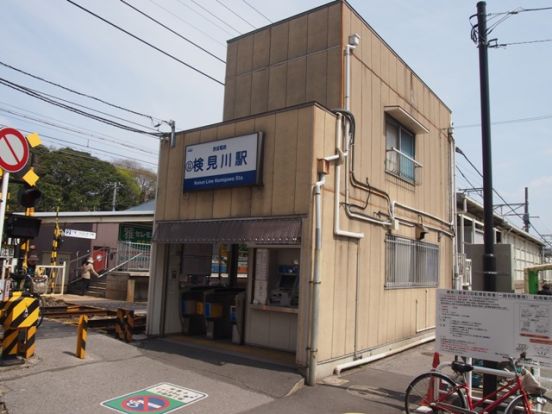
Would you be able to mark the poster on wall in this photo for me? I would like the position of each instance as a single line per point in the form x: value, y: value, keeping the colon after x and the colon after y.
x: 493, y: 325
x: 231, y: 162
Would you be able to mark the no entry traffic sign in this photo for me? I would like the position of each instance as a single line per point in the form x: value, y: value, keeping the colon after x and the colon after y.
x: 14, y: 150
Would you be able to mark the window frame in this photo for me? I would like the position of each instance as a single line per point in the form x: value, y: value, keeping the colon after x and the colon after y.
x: 397, y: 152
x: 422, y: 260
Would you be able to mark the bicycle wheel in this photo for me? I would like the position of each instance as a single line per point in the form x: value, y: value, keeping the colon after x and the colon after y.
x: 538, y: 404
x: 433, y: 392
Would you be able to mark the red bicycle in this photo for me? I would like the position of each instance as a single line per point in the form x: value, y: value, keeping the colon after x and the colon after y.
x: 435, y: 392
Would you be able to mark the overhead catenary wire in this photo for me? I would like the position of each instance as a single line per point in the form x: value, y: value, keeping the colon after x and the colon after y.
x: 172, y: 31
x: 527, y: 42
x: 508, y: 121
x: 146, y: 42
x: 514, y: 212
x: 38, y: 95
x: 257, y: 11
x: 150, y: 117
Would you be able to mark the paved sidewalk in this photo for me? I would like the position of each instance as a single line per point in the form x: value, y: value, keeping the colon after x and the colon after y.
x: 55, y: 381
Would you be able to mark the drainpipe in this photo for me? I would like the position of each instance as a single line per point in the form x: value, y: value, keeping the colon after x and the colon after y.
x: 315, y: 303
x: 342, y: 155
x: 457, y: 277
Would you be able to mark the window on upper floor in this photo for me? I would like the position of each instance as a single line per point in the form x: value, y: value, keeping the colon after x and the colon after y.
x: 400, y: 150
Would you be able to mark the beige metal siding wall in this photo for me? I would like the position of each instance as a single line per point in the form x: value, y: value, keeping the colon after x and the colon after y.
x: 287, y: 171
x: 285, y: 64
x: 383, y: 316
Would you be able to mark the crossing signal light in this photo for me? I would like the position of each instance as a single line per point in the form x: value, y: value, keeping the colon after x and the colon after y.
x: 29, y: 195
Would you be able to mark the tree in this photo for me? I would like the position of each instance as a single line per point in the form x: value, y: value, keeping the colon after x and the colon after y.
x: 146, y: 179
x: 76, y: 181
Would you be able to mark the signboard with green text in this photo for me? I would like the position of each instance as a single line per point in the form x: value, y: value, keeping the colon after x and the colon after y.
x: 135, y: 233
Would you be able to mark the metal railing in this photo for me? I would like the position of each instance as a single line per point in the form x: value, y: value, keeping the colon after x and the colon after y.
x: 410, y: 263
x: 401, y: 165
x: 136, y: 256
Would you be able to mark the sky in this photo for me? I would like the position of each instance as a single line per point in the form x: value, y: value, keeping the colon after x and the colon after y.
x: 64, y: 44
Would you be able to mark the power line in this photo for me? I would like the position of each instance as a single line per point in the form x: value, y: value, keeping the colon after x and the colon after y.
x: 188, y: 23
x: 150, y: 117
x: 145, y: 42
x: 258, y: 12
x: 83, y: 146
x: 235, y: 14
x: 520, y: 10
x: 60, y: 127
x: 523, y: 43
x: 502, y: 198
x: 38, y: 95
x: 172, y: 31
x: 509, y: 121
x: 215, y: 16
x: 205, y: 17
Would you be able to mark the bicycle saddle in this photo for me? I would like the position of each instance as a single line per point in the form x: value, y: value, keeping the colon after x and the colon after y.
x: 461, y: 367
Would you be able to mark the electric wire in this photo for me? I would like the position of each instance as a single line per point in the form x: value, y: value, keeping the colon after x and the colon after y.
x: 72, y: 127
x: 523, y: 43
x: 53, y: 125
x: 203, y: 32
x: 38, y: 95
x: 49, y: 137
x: 235, y: 14
x: 514, y: 212
x: 205, y: 17
x: 257, y: 11
x: 509, y: 121
x: 520, y: 10
x: 172, y: 31
x: 146, y: 42
x: 215, y: 16
x: 150, y: 117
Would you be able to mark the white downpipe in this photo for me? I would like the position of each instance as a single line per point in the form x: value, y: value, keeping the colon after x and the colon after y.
x: 315, y: 303
x: 337, y: 189
x: 372, y: 358
x: 457, y: 280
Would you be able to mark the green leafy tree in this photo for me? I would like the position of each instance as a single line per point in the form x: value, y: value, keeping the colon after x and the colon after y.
x: 76, y: 181
x: 144, y: 178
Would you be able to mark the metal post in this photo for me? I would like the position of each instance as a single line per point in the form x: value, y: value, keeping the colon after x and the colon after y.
x: 526, y: 221
x: 489, y: 259
x: 3, y: 203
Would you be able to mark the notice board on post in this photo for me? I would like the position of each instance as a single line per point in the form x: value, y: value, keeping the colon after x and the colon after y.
x: 493, y: 326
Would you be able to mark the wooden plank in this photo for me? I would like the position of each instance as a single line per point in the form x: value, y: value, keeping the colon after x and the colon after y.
x: 245, y: 55
x: 296, y: 81
x: 317, y: 65
x: 279, y: 36
x: 297, y: 37
x: 304, y: 162
x: 317, y: 30
x: 283, y: 191
x: 277, y: 86
x: 243, y: 95
x: 261, y: 49
x: 259, y: 94
x: 261, y: 198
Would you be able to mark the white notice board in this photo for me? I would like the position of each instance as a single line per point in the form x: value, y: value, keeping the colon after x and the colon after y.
x: 492, y: 325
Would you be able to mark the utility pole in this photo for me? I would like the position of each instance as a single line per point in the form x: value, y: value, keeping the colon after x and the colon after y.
x: 489, y: 258
x: 526, y: 218
x: 115, y: 187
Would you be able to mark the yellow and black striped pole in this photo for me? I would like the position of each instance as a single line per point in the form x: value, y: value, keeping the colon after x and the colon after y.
x: 82, y: 334
x: 19, y: 318
x: 54, y: 254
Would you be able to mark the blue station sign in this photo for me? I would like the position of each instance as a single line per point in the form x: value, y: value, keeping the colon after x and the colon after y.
x: 231, y: 162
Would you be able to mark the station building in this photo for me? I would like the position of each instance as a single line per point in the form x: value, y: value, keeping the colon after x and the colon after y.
x: 317, y: 218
